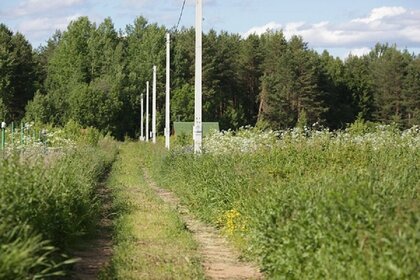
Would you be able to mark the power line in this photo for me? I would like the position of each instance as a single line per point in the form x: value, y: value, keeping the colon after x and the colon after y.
x: 180, y: 15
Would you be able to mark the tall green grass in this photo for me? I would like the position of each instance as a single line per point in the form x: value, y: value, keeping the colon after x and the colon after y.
x: 321, y: 206
x: 150, y: 240
x: 47, y: 203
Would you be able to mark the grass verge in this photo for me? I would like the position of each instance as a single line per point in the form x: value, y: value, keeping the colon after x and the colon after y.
x: 151, y: 242
x: 46, y: 206
x: 327, y: 206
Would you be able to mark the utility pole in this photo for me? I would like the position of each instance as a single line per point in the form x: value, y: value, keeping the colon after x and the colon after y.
x: 147, y: 111
x: 141, y: 117
x: 168, y: 98
x: 198, y: 125
x: 154, y: 106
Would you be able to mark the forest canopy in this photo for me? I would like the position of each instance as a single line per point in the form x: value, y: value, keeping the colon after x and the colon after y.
x: 95, y: 75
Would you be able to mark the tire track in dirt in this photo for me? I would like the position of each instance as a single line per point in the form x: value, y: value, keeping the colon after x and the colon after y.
x: 220, y: 259
x: 95, y: 255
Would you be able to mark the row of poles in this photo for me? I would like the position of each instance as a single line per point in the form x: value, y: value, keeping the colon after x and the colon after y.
x: 167, y: 109
x: 146, y: 136
x: 198, y: 125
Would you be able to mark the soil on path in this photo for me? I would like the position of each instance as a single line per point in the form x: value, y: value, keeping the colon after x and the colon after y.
x: 220, y: 259
x: 96, y: 253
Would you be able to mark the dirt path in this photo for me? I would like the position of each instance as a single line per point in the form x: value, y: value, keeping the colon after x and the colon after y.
x: 220, y: 259
x: 96, y: 253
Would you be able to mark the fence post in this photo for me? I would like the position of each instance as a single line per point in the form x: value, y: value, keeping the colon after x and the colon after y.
x: 3, y: 135
x: 13, y: 134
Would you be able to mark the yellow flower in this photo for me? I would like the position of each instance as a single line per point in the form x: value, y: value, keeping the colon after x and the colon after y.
x: 231, y: 221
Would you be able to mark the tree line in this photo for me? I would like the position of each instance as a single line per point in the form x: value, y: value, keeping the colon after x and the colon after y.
x: 95, y: 75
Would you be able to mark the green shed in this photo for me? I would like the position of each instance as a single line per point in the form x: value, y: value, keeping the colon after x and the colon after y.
x: 187, y: 128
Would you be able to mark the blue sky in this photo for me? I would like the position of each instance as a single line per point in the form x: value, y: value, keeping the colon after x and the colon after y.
x: 338, y: 26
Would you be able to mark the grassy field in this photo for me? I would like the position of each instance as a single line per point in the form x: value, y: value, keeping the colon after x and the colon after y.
x: 304, y: 204
x: 151, y: 242
x: 47, y: 203
x: 307, y: 204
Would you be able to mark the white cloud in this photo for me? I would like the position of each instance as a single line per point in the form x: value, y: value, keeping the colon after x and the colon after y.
x: 262, y: 29
x: 46, y: 24
x: 384, y: 24
x: 380, y: 13
x: 39, y: 28
x: 31, y: 7
x: 358, y: 51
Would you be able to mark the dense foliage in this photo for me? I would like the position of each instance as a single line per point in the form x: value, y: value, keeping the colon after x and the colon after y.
x: 18, y: 77
x: 95, y: 75
x: 309, y: 204
x: 47, y: 202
